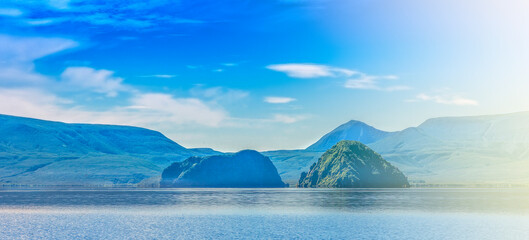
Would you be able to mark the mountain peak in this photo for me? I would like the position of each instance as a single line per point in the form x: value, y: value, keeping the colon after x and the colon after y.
x: 351, y: 122
x: 351, y: 130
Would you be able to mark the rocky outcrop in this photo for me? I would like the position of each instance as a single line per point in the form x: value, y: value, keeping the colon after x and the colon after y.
x: 351, y: 164
x: 246, y: 168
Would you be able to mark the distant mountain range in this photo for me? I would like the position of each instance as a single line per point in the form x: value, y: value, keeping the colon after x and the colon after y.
x: 450, y: 150
x: 480, y: 149
x: 37, y: 152
x: 290, y: 163
x: 490, y: 149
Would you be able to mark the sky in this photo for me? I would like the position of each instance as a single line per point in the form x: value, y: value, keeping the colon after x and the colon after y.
x: 262, y: 75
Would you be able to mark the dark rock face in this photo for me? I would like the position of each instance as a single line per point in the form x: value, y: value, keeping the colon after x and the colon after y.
x: 351, y: 164
x: 246, y: 168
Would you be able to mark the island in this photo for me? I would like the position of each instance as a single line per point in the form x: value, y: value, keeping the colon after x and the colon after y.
x: 244, y: 169
x: 352, y: 164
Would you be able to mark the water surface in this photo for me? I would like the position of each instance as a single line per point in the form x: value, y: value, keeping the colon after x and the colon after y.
x: 265, y: 214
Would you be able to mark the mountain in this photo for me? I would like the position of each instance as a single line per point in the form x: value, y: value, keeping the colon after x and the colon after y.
x: 351, y: 164
x: 491, y: 149
x: 290, y: 163
x: 488, y: 150
x: 245, y: 169
x: 38, y: 152
x: 352, y: 130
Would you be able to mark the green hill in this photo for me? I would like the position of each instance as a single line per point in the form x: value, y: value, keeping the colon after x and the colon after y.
x: 351, y: 164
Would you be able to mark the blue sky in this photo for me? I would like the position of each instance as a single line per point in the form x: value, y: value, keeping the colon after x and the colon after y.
x: 261, y: 74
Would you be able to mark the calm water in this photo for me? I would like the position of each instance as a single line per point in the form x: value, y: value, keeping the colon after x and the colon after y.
x: 265, y: 214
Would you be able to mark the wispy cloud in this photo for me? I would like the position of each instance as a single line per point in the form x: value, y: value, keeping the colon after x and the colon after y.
x: 364, y: 81
x: 176, y: 110
x: 143, y: 109
x: 354, y: 79
x: 117, y: 14
x: 282, y: 118
x: 445, y: 99
x: 10, y: 12
x: 307, y: 70
x: 40, y: 22
x: 101, y: 81
x: 218, y: 94
x: 160, y: 76
x: 59, y: 4
x: 21, y: 50
x: 18, y: 53
x: 24, y: 92
x: 277, y: 100
x: 31, y: 102
x: 118, y: 20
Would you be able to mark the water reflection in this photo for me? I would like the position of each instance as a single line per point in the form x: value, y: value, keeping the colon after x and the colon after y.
x: 342, y: 200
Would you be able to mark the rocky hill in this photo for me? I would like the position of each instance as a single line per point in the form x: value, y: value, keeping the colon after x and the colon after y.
x: 245, y: 169
x: 351, y: 164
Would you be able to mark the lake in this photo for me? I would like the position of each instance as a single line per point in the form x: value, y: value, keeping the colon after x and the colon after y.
x: 290, y: 213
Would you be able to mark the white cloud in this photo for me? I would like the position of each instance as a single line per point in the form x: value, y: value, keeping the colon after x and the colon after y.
x: 118, y: 14
x: 396, y: 88
x: 279, y: 99
x: 218, y: 94
x: 10, y: 12
x: 59, y: 4
x: 39, y: 22
x: 15, y: 50
x: 18, y: 53
x: 177, y: 110
x: 42, y: 100
x: 148, y: 109
x: 357, y: 80
x: 101, y: 81
x: 164, y: 76
x: 161, y: 76
x: 282, y: 118
x: 445, y: 99
x: 20, y: 75
x: 305, y: 70
x: 29, y: 102
x: 364, y: 81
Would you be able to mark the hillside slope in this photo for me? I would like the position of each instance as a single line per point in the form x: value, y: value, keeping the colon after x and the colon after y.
x: 480, y: 149
x: 53, y: 153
